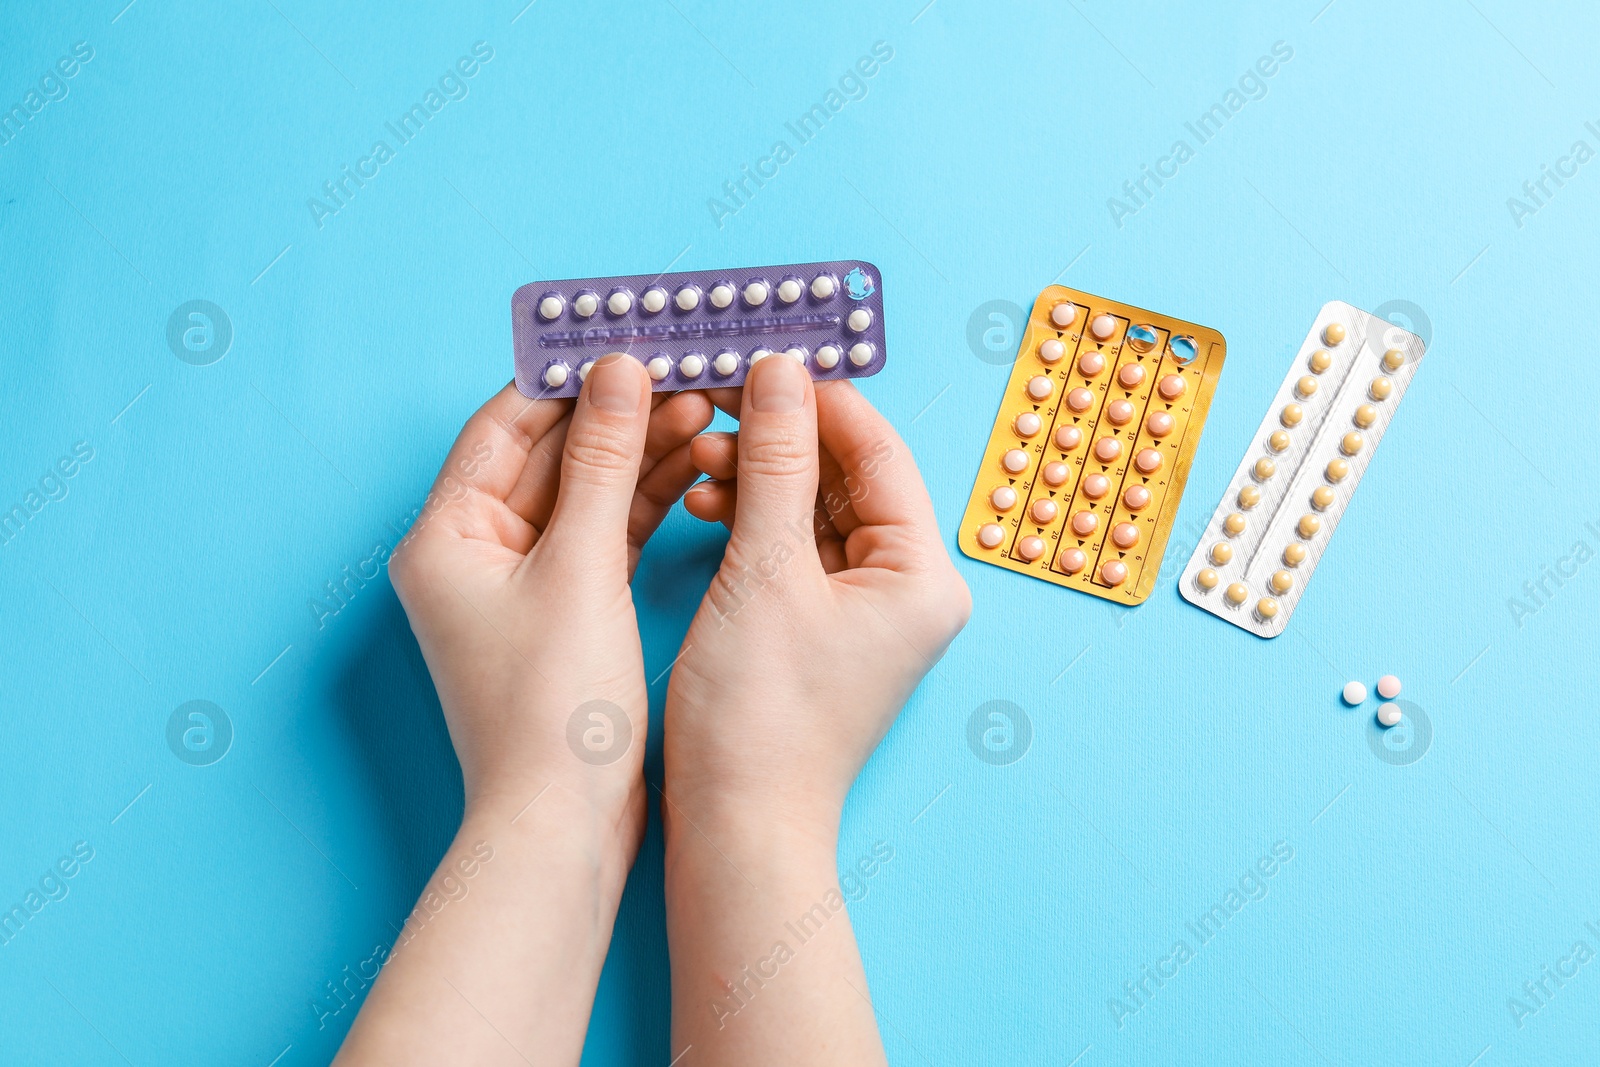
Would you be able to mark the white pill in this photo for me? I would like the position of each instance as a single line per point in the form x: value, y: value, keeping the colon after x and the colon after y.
x: 828, y: 357
x: 721, y: 295
x: 1064, y: 314
x: 1040, y: 387
x: 1354, y: 693
x: 796, y: 353
x: 1103, y: 327
x: 693, y: 365
x: 759, y: 354
x: 823, y: 286
x: 555, y: 375
x: 1028, y: 424
x: 1389, y: 714
x: 550, y: 307
x: 859, y: 320
x: 755, y: 294
x: 654, y: 299
x: 1004, y: 498
x: 861, y: 354
x: 584, y: 369
x: 586, y: 304
x: 1051, y: 350
x: 725, y: 363
x: 1388, y: 687
x: 789, y: 290
x: 619, y: 303
x: 659, y: 367
x: 688, y: 298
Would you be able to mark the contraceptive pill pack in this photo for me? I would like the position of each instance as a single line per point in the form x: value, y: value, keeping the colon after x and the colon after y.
x: 1301, y: 469
x: 700, y: 329
x: 1086, y: 464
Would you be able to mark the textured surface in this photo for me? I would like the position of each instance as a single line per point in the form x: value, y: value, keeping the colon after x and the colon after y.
x: 191, y: 558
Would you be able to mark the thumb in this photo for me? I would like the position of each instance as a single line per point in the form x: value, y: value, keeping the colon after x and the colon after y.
x: 600, y: 460
x: 777, y: 456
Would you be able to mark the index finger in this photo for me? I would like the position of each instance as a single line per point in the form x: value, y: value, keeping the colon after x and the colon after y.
x: 494, y: 445
x: 881, y: 479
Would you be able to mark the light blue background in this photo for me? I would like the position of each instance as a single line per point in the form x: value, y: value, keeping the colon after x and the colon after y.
x: 1169, y: 750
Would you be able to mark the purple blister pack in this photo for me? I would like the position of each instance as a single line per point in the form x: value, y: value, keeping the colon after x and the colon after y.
x: 700, y: 329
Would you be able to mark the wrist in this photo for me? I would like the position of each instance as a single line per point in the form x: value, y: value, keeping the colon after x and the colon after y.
x: 554, y: 826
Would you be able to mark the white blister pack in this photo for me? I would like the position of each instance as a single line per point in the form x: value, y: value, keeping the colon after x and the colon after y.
x: 1302, y: 467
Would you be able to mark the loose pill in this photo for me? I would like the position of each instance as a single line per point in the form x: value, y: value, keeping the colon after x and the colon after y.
x: 1096, y: 486
x: 1119, y: 412
x: 1030, y: 548
x: 1113, y: 572
x: 1044, y: 511
x: 1080, y: 399
x: 861, y: 353
x: 789, y: 290
x: 1125, y: 535
x: 1015, y: 461
x: 755, y: 293
x: 1249, y: 497
x: 823, y: 286
x: 693, y: 365
x: 990, y: 535
x: 1073, y: 560
x: 1051, y: 350
x: 725, y: 363
x: 1039, y: 386
x: 1365, y: 416
x: 1319, y: 361
x: 1294, y: 555
x: 658, y: 368
x: 1354, y: 693
x: 828, y: 357
x: 1266, y: 609
x: 1308, y: 526
x: 1380, y: 389
x: 1393, y: 359
x: 1055, y: 474
x: 858, y: 320
x: 1351, y: 443
x: 1064, y: 314
x: 1136, y: 497
x: 1278, y: 440
x: 1159, y: 424
x: 1148, y: 460
x: 1206, y: 579
x: 1265, y: 469
x: 619, y: 302
x: 1130, y: 376
x: 1003, y: 498
x: 585, y: 305
x: 1306, y: 386
x: 1107, y: 449
x: 1388, y: 687
x: 555, y: 375
x: 1334, y: 334
x: 1172, y: 387
x: 1237, y: 593
x: 1322, y: 498
x: 653, y: 299
x: 1028, y: 424
x: 1091, y: 363
x: 1085, y: 523
x: 1291, y: 415
x: 551, y: 307
x: 1389, y: 714
x: 1221, y: 553
x: 1068, y: 438
x: 1337, y: 470
x: 688, y: 298
x: 1103, y: 327
x: 1233, y: 525
x: 721, y: 295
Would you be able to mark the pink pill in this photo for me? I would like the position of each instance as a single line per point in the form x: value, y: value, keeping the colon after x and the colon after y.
x: 1030, y: 548
x: 990, y: 535
x: 1388, y: 687
x: 1137, y: 497
x: 1148, y: 461
x: 1107, y: 449
x: 1119, y: 412
x: 1040, y: 388
x: 1003, y: 498
x: 1044, y: 511
x: 1113, y: 572
x: 1015, y: 461
x: 1051, y: 350
x: 1064, y: 314
x: 1096, y: 486
x: 1080, y: 399
x: 1172, y: 387
x: 1085, y: 523
x: 1056, y: 473
x: 1130, y: 376
x: 1028, y: 424
x: 1103, y: 327
x: 1159, y: 424
x: 1091, y: 363
x: 1125, y: 535
x: 1068, y: 438
x: 1073, y: 560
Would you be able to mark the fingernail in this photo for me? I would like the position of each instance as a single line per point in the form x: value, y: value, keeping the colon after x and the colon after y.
x: 779, y: 385
x: 612, y: 387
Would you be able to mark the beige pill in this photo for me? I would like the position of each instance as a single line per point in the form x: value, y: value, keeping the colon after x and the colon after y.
x: 1130, y: 376
x: 1091, y: 363
x: 1291, y: 415
x: 1206, y: 579
x: 1056, y: 473
x: 1278, y: 440
x: 990, y: 535
x: 1320, y: 361
x: 1080, y: 399
x: 1221, y: 552
x: 1322, y: 498
x: 1306, y: 385
x: 1282, y: 582
x: 1148, y: 461
x: 1265, y: 468
x: 1393, y: 359
x: 1125, y: 535
x: 1136, y: 497
x: 1085, y: 523
x: 1072, y: 560
x: 1334, y: 333
x: 1040, y: 387
x: 1237, y: 593
x: 1365, y: 416
x: 1380, y: 388
x: 1064, y: 314
x: 1294, y: 555
x: 1068, y: 438
x: 1107, y: 449
x: 1044, y: 512
x: 1051, y: 350
x: 1003, y: 498
x: 1119, y: 412
x: 1113, y: 572
x: 1028, y: 424
x: 1103, y: 327
x: 1159, y: 424
x: 1015, y: 461
x: 1172, y: 387
x: 1233, y: 525
x: 1337, y: 470
x: 1309, y: 525
x: 1096, y: 486
x: 1351, y: 443
x: 1030, y: 548
x: 1249, y: 497
x: 1266, y: 608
